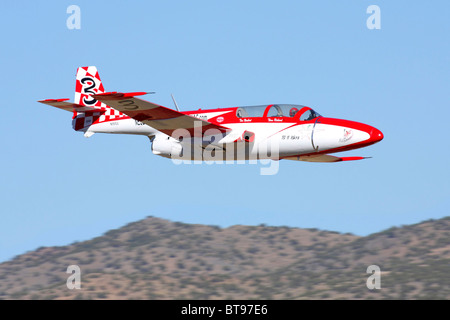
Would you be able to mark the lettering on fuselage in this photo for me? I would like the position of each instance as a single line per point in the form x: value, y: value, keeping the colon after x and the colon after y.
x: 200, y: 116
x: 287, y: 137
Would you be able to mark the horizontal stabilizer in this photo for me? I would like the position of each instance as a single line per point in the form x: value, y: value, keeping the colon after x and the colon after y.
x: 69, y: 106
x: 324, y: 158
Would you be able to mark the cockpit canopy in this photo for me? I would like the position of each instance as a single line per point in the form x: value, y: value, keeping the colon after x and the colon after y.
x: 277, y: 110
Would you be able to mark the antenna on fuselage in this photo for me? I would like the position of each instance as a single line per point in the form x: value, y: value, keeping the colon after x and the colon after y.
x: 175, y: 103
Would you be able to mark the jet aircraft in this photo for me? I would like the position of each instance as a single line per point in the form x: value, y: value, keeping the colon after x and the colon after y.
x: 272, y: 131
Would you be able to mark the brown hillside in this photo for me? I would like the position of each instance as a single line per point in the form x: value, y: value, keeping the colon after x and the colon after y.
x: 158, y: 259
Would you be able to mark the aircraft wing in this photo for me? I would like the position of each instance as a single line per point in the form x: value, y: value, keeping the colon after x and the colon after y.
x: 323, y: 158
x: 161, y: 118
x: 69, y: 106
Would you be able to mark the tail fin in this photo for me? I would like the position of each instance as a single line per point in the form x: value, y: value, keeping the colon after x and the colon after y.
x: 87, y: 84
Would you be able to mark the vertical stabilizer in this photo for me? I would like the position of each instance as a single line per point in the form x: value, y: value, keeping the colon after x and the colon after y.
x: 88, y: 83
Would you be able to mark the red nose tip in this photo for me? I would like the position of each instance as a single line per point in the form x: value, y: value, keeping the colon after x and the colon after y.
x: 376, y: 135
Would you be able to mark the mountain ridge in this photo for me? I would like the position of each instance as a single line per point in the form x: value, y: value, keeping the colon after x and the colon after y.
x: 158, y: 259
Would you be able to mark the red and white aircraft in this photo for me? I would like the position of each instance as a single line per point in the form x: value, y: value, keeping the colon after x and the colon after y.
x: 274, y: 131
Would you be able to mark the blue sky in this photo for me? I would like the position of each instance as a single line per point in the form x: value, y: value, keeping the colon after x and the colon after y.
x: 59, y: 187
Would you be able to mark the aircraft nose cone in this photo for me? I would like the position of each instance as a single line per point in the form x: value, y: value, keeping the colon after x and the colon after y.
x: 376, y: 135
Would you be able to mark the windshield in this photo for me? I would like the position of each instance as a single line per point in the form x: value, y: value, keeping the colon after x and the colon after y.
x: 309, y: 115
